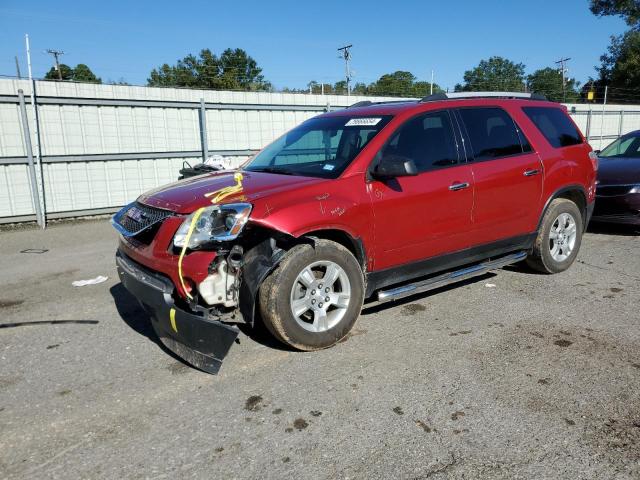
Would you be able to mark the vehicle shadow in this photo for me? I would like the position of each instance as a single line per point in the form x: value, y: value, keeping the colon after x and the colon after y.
x: 371, y: 306
x: 135, y: 316
x: 132, y: 313
x: 260, y: 334
x: 613, y: 229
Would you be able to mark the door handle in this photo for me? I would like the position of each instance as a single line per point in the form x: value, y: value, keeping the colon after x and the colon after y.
x: 531, y: 173
x: 458, y: 186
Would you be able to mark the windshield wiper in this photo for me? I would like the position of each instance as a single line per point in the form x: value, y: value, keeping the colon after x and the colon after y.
x: 278, y: 171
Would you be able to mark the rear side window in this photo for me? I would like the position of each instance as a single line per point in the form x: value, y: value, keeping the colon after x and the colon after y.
x: 555, y: 125
x: 493, y: 133
x: 428, y: 140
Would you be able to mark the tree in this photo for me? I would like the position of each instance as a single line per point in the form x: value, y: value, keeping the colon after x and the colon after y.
x: 495, y: 74
x: 620, y: 69
x: 234, y: 69
x: 65, y: 71
x: 627, y: 9
x: 397, y: 84
x: 548, y: 82
x: 82, y: 73
x: 340, y: 88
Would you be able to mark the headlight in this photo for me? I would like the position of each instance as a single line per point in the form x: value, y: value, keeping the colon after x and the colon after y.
x: 635, y: 189
x: 216, y: 223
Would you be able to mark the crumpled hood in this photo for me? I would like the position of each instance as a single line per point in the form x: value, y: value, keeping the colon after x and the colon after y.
x: 185, y: 196
x: 619, y: 171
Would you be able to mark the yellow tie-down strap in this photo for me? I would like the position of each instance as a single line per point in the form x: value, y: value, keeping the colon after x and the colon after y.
x: 172, y: 319
x: 218, y: 196
x: 223, y: 193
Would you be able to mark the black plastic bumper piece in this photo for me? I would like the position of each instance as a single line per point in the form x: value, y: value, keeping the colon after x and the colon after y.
x: 201, y: 342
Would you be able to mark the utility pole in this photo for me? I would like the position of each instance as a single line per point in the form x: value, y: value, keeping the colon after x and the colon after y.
x: 604, y: 104
x: 431, y: 93
x: 18, y: 68
x: 563, y: 70
x: 56, y: 54
x: 346, y: 54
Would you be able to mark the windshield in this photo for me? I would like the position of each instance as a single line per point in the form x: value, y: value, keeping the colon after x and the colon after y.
x: 320, y: 147
x: 623, y: 147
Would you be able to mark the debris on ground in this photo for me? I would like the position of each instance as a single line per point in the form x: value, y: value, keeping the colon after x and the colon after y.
x: 91, y: 281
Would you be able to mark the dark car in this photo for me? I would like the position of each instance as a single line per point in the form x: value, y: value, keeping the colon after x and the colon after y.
x: 618, y: 190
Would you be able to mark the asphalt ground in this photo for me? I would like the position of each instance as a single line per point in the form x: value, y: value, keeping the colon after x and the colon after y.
x: 535, y: 377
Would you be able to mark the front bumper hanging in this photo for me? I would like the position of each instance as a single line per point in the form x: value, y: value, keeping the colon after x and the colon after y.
x: 201, y: 342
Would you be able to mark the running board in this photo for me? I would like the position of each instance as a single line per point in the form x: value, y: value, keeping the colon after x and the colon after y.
x: 451, y: 277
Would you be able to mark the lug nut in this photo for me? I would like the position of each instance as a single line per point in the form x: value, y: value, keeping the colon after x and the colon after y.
x: 326, y: 290
x: 320, y: 286
x: 327, y: 299
x: 320, y: 304
x: 313, y: 292
x: 313, y: 300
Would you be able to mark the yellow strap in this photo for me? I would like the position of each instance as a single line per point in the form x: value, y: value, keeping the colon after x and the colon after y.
x: 184, y: 249
x: 172, y: 319
x: 218, y: 196
x: 221, y: 194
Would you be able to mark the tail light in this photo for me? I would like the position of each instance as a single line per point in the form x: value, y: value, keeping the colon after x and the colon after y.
x: 594, y: 159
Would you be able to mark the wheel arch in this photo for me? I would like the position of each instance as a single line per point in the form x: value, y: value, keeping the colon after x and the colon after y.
x: 575, y: 193
x: 353, y: 244
x: 264, y: 257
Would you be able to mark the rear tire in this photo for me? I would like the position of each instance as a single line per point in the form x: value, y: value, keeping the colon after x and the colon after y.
x: 314, y: 297
x: 559, y: 238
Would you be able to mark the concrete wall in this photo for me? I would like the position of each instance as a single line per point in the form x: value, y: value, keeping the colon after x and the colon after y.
x: 103, y: 145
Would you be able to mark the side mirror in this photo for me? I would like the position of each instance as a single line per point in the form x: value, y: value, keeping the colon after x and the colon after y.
x: 597, y: 152
x: 392, y: 166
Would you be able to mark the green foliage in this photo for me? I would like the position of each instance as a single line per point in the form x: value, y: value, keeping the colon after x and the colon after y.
x: 627, y: 9
x: 397, y: 84
x: 234, y: 69
x: 494, y: 75
x: 65, y: 70
x: 548, y: 82
x: 81, y: 73
x: 620, y: 68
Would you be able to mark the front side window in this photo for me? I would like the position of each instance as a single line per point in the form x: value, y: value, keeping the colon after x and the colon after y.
x: 428, y: 140
x: 555, y: 125
x: 623, y: 147
x: 320, y: 147
x: 493, y: 133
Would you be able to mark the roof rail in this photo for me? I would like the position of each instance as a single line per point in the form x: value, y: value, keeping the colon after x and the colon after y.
x: 363, y: 103
x: 460, y: 95
x: 366, y: 103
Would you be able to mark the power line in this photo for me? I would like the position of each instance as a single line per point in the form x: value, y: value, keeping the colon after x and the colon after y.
x: 56, y: 54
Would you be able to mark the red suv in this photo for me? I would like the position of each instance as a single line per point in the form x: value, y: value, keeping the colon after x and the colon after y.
x: 377, y: 201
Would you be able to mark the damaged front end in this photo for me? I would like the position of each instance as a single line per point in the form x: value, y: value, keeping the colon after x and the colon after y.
x: 195, y: 295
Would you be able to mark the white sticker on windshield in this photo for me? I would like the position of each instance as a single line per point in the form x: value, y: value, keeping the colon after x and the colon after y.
x: 362, y: 122
x: 328, y: 166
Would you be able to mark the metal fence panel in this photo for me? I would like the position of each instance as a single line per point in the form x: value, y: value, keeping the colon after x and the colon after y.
x: 103, y: 145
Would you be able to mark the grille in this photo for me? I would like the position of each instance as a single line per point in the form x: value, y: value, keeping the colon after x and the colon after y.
x: 613, y: 190
x: 137, y: 217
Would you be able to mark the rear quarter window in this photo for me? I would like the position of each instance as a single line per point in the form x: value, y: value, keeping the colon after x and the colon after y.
x: 555, y: 125
x: 493, y: 133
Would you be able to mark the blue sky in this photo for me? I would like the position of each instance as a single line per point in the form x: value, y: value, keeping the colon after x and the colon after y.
x: 295, y: 41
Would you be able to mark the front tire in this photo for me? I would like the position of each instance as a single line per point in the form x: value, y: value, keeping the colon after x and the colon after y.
x: 559, y: 238
x: 314, y: 297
